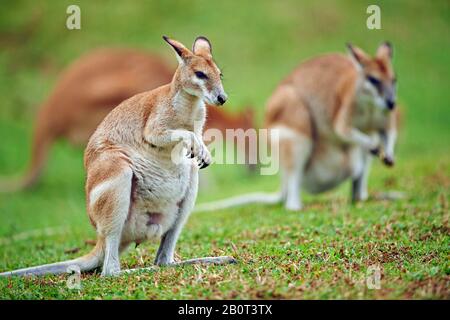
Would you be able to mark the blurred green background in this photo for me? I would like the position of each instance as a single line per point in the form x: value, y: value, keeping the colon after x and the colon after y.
x: 256, y: 43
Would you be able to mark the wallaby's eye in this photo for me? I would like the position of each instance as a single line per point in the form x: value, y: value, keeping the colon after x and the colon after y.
x: 221, y: 76
x: 201, y: 75
x: 374, y: 81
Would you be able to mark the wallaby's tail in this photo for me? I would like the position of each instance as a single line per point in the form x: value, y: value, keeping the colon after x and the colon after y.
x: 87, y: 262
x: 258, y: 197
x: 42, y: 140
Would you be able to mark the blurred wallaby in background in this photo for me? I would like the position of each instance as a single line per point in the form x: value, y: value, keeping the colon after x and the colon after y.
x: 89, y: 89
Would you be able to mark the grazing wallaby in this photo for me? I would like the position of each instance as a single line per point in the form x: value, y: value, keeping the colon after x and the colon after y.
x: 332, y: 113
x: 89, y: 89
x: 140, y: 184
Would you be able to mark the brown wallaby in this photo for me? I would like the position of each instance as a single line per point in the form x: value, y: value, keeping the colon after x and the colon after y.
x: 142, y: 164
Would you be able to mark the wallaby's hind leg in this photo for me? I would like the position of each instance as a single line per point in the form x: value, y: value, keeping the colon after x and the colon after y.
x: 108, y: 205
x: 290, y: 116
x: 166, y: 251
x: 295, y: 150
x: 361, y: 168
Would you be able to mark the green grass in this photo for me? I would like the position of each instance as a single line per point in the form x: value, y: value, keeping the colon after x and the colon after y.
x: 321, y: 252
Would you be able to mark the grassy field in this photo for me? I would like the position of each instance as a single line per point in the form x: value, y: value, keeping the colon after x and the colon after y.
x: 322, y: 252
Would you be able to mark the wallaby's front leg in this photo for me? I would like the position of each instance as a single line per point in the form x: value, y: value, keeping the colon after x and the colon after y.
x: 165, y: 254
x: 347, y: 133
x: 388, y: 139
x: 191, y: 141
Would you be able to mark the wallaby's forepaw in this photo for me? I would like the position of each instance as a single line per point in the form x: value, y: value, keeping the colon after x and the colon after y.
x: 197, y: 149
x: 375, y: 151
x: 193, y: 146
x: 205, y: 159
x: 191, y: 153
x: 388, y: 161
x: 202, y: 164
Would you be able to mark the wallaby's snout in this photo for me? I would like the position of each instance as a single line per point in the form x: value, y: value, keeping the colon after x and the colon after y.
x: 390, y: 94
x: 390, y: 103
x: 222, y: 98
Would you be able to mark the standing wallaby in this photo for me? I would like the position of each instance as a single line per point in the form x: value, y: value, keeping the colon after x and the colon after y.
x: 89, y: 89
x: 135, y: 190
x: 332, y: 113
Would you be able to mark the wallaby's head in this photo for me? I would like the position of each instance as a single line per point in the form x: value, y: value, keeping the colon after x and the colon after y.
x: 379, y: 81
x: 197, y: 72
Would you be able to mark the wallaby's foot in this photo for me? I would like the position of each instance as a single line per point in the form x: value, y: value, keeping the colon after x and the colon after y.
x: 164, y: 261
x: 293, y: 205
x: 360, y: 198
x: 221, y: 260
x: 110, y: 272
x: 390, y: 195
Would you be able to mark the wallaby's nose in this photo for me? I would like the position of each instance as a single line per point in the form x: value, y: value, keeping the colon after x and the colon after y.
x: 221, y: 98
x: 390, y: 103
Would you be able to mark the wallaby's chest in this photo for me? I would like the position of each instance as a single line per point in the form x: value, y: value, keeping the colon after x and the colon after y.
x: 367, y: 117
x: 160, y: 183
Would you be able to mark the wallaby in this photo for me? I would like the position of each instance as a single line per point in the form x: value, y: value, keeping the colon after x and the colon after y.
x: 89, y: 89
x: 332, y: 113
x: 141, y: 182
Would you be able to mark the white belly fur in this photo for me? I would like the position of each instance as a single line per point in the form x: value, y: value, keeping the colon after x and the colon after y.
x: 159, y: 186
x: 330, y: 167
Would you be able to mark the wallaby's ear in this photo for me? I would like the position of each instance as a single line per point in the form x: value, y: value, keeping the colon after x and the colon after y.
x: 181, y: 51
x: 385, y: 50
x: 358, y: 54
x: 202, y: 47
